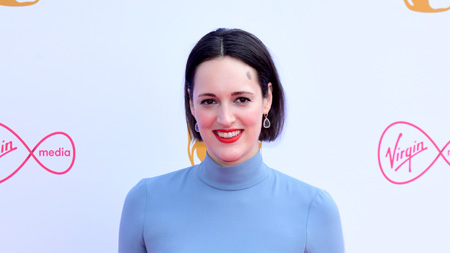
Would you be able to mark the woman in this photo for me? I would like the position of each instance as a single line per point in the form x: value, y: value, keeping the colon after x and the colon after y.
x: 231, y: 201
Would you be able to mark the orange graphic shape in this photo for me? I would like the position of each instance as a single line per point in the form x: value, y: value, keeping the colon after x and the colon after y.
x: 198, y: 147
x: 15, y: 3
x: 423, y: 6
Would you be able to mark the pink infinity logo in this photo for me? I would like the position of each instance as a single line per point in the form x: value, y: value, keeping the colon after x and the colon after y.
x: 405, y: 152
x: 8, y: 148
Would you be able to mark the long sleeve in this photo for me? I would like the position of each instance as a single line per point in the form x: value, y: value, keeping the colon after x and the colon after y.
x: 131, y: 239
x: 324, y: 231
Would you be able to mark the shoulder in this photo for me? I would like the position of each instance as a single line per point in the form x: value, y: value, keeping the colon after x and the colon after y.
x: 317, y: 199
x: 323, y: 205
x: 296, y: 186
x: 161, y: 182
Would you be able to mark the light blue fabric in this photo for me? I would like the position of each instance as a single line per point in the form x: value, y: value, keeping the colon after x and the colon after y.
x: 245, y: 208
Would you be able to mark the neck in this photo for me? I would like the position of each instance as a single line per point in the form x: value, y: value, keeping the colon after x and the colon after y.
x: 236, y: 177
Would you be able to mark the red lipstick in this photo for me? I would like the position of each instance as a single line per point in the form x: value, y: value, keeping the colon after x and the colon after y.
x: 228, y: 140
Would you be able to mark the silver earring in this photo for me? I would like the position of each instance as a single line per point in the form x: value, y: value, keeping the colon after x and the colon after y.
x: 266, y: 123
x: 198, y: 130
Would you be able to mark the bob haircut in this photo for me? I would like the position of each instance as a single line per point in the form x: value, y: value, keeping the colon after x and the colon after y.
x: 248, y: 48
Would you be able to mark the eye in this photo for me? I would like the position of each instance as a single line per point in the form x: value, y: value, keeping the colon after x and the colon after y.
x: 208, y: 101
x: 242, y: 100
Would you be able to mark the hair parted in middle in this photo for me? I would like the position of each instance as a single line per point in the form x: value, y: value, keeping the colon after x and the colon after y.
x: 248, y: 48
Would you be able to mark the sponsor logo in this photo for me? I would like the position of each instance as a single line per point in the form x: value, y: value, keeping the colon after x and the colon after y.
x: 17, y: 3
x: 55, y: 153
x: 406, y: 152
x: 423, y: 6
x: 196, y: 148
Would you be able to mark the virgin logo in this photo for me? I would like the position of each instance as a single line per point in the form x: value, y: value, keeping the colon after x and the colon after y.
x: 54, y: 153
x: 406, y: 152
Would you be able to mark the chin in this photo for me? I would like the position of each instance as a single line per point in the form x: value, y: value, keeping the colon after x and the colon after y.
x: 232, y: 157
x: 232, y: 160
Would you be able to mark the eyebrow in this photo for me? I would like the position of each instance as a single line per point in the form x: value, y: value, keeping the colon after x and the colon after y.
x: 242, y: 93
x: 236, y: 93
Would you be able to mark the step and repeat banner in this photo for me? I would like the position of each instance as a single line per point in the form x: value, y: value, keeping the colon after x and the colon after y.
x: 91, y: 101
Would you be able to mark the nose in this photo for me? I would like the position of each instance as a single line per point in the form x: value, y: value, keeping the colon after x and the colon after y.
x: 225, y: 116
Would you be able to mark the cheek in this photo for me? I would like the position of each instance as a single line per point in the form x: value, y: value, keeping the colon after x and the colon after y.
x: 252, y: 118
x: 205, y: 119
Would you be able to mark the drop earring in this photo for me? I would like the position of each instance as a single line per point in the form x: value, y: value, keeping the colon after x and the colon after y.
x: 266, y: 122
x: 198, y: 130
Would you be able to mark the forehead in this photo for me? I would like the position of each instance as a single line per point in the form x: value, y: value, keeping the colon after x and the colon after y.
x: 225, y: 74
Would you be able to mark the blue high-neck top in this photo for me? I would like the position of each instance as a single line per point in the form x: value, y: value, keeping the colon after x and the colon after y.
x: 248, y: 207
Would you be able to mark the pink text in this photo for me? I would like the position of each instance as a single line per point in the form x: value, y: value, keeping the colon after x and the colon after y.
x: 58, y: 152
x: 404, y: 155
x: 6, y: 147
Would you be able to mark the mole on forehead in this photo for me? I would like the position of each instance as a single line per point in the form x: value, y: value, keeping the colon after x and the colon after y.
x: 249, y: 75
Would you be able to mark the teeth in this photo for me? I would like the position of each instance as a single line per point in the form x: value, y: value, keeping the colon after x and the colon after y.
x: 228, y: 135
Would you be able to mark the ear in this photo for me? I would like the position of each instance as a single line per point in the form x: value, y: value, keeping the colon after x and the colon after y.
x: 267, y: 103
x: 191, y: 105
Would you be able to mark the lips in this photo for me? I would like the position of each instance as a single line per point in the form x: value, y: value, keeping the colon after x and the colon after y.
x: 228, y: 135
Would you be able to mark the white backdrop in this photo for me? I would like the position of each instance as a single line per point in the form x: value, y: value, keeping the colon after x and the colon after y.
x: 109, y: 74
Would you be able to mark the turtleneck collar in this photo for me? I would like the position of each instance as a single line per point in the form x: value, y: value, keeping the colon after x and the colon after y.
x: 237, y: 177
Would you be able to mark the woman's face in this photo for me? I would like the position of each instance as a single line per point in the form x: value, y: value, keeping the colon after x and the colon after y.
x: 228, y: 104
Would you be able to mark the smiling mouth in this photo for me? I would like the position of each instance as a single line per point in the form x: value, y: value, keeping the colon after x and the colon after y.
x: 228, y: 136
